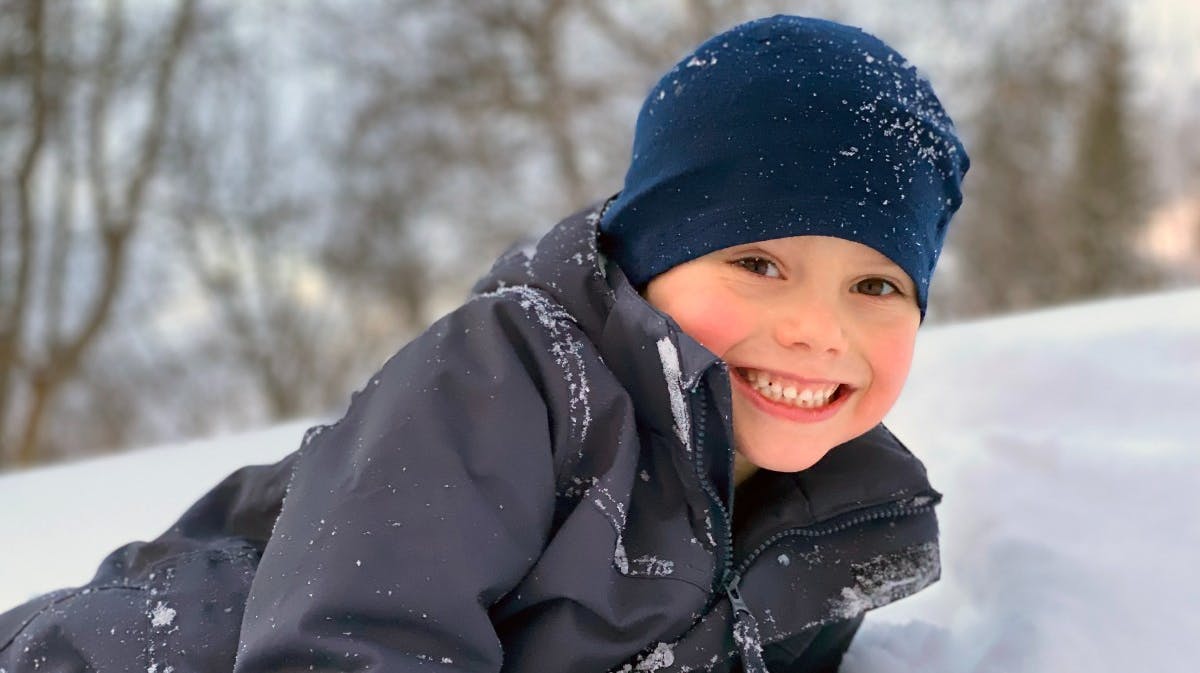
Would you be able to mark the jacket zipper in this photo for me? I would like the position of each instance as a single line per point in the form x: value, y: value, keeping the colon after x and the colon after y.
x: 725, y: 543
x: 729, y: 577
x: 745, y: 630
x: 889, y: 511
x: 745, y: 624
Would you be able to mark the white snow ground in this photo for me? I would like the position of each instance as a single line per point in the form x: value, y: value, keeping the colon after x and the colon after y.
x: 1063, y: 440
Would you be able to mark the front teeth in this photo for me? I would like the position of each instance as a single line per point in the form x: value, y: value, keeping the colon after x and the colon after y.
x: 786, y: 393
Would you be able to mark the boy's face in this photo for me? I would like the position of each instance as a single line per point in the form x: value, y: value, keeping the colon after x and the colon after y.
x: 792, y: 317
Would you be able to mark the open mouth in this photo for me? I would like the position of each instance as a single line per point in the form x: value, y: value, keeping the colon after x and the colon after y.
x: 788, y: 392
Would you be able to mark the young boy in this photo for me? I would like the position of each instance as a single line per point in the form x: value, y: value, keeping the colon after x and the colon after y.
x: 652, y: 443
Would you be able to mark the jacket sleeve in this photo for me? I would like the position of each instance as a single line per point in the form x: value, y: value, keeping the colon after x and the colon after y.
x: 819, y: 652
x: 409, y: 517
x: 173, y: 603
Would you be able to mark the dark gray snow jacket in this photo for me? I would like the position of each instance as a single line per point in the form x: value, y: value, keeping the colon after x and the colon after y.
x: 541, y: 482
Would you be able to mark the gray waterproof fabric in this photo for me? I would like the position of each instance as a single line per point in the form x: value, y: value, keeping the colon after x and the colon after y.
x: 539, y: 482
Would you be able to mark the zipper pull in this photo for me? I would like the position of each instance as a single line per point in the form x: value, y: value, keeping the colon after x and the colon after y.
x: 733, y: 589
x: 745, y: 629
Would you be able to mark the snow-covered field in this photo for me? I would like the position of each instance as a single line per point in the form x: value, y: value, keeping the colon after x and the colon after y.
x: 1061, y: 439
x: 1065, y: 442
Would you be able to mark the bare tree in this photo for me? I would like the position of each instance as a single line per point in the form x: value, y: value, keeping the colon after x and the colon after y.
x: 485, y: 122
x: 1106, y: 195
x: 46, y: 327
x: 247, y: 227
x: 250, y: 235
x: 1057, y: 188
x: 431, y: 134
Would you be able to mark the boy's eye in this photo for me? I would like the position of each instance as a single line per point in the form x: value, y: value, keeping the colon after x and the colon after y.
x: 877, y: 287
x: 760, y: 266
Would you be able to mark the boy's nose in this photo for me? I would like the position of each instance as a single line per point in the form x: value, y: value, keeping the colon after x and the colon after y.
x: 814, y: 326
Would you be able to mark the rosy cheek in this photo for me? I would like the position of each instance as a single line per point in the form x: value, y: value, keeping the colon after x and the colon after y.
x: 718, y: 325
x: 891, y: 359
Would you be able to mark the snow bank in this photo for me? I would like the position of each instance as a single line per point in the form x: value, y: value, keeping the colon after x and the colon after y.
x: 57, y: 523
x: 1065, y: 444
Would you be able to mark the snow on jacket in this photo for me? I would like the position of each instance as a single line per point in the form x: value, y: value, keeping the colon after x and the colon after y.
x: 539, y: 482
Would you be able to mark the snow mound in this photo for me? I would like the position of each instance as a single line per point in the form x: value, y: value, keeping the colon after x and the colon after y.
x: 1064, y: 443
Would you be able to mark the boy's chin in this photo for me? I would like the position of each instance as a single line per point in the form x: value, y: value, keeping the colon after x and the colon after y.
x: 784, y: 459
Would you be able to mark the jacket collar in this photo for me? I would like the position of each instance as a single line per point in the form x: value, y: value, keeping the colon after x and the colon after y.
x: 567, y: 264
x: 869, y: 471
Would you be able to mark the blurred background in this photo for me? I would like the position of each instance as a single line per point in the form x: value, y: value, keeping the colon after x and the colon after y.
x: 216, y: 215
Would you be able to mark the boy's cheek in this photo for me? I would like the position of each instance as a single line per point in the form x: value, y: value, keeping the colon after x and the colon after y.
x: 895, y: 357
x: 717, y: 325
x: 892, y: 361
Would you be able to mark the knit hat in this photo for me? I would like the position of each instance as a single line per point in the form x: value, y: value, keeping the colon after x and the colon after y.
x: 788, y: 126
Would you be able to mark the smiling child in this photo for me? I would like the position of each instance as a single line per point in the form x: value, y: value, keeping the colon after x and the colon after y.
x: 651, y: 442
x: 817, y: 333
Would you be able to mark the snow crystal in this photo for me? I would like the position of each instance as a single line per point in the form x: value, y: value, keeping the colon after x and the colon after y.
x: 620, y: 557
x: 654, y: 566
x: 674, y: 376
x: 616, y: 516
x: 529, y: 250
x: 614, y: 511
x: 566, y: 349
x: 161, y: 615
x: 619, y: 519
x: 311, y: 434
x: 887, y: 578
x: 708, y: 530
x: 784, y: 560
x: 577, y: 488
x: 662, y: 656
x: 748, y: 640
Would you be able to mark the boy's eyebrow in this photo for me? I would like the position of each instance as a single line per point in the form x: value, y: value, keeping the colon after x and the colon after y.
x: 879, y: 264
x: 888, y: 266
x: 867, y: 260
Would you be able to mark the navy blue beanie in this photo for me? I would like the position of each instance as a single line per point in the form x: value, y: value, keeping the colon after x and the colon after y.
x: 788, y: 126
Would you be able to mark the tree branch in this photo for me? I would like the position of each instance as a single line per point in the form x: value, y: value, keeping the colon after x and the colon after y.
x: 12, y: 316
x: 65, y: 354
